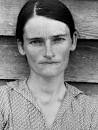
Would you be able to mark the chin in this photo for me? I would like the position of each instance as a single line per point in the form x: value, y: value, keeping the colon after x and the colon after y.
x: 50, y: 74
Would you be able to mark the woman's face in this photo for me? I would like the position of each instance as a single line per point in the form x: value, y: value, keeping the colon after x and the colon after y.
x: 47, y: 44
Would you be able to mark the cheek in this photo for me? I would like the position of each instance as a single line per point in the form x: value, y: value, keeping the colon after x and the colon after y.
x: 65, y: 56
x: 31, y: 57
x: 66, y: 50
x: 31, y: 54
x: 63, y: 52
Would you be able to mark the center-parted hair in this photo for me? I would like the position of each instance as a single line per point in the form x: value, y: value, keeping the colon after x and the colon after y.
x: 53, y: 9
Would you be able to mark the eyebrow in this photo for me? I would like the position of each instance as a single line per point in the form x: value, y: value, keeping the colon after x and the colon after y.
x: 35, y: 38
x: 41, y: 38
x: 59, y: 35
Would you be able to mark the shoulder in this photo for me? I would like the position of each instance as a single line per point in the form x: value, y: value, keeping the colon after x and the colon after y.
x: 8, y: 86
x: 84, y: 107
x: 4, y: 99
x: 82, y: 100
x: 5, y: 91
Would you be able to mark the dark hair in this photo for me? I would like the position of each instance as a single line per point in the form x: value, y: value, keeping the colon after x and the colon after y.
x: 53, y: 9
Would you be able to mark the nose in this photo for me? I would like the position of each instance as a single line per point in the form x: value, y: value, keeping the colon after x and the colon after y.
x: 48, y: 50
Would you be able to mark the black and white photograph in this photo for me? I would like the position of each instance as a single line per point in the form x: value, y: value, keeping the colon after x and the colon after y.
x: 48, y: 65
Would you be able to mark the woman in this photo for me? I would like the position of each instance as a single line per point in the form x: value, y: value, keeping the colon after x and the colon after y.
x: 46, y: 34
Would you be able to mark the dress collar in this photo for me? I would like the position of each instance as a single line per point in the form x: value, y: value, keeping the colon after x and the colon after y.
x: 20, y: 86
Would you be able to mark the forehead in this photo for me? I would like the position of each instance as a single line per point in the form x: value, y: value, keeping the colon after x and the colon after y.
x: 39, y: 26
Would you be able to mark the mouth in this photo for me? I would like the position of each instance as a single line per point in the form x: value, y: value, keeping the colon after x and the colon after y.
x: 49, y: 62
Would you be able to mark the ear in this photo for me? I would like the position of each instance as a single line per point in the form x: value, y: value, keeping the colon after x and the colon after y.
x: 20, y: 47
x: 74, y: 41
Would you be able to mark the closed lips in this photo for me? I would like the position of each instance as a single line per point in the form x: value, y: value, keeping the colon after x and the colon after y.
x: 53, y: 62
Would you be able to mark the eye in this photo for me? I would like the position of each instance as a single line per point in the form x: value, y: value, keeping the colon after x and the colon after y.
x: 59, y: 39
x: 37, y: 42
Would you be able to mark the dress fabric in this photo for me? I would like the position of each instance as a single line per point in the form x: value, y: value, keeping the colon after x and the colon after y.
x: 19, y: 111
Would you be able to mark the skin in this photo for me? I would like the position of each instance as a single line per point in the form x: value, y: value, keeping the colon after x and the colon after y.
x: 47, y: 45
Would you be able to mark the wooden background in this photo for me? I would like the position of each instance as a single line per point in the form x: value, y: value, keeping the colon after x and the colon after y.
x: 83, y: 65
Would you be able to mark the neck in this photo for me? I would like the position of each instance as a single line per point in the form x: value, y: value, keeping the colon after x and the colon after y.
x: 46, y: 89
